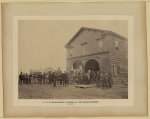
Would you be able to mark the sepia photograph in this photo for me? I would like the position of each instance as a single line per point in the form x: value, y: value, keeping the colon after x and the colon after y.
x: 72, y: 59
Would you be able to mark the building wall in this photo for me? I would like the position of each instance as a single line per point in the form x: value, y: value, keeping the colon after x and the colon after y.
x: 89, y: 37
x: 109, y: 62
x: 119, y: 57
x: 103, y: 60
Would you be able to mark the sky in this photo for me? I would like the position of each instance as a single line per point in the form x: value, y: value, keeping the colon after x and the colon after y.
x: 41, y: 42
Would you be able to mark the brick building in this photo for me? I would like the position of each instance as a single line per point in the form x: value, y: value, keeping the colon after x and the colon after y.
x: 95, y: 49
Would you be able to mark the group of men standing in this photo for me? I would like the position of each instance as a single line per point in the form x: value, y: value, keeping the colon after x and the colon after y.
x: 52, y: 78
x: 24, y: 78
x: 62, y: 78
x: 58, y: 77
x: 103, y: 79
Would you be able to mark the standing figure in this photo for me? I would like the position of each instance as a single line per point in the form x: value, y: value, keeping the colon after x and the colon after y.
x: 64, y: 77
x: 97, y: 76
x: 50, y: 77
x: 26, y: 78
x: 91, y: 75
x: 94, y: 77
x: 44, y: 77
x: 40, y: 78
x: 80, y: 77
x: 29, y: 78
x: 21, y: 78
x: 61, y: 78
x: 54, y: 78
x: 105, y: 79
x: 88, y: 76
x: 110, y: 80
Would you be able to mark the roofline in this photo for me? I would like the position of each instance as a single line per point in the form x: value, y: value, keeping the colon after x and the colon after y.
x: 86, y: 28
x: 74, y: 36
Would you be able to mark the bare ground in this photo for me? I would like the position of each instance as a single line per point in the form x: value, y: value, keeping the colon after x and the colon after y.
x: 46, y: 91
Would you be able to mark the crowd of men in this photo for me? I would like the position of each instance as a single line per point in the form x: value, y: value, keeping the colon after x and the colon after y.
x: 39, y: 78
x: 63, y: 78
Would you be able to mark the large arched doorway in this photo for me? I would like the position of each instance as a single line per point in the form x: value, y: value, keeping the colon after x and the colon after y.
x: 92, y: 65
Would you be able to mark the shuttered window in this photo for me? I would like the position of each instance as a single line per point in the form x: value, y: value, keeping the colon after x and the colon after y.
x: 99, y: 44
x: 71, y: 51
x: 116, y: 44
x: 83, y: 48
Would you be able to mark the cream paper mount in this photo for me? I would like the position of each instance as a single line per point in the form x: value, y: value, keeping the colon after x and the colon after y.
x: 97, y: 104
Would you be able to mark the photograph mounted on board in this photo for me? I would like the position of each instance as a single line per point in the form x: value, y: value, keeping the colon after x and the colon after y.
x: 72, y: 59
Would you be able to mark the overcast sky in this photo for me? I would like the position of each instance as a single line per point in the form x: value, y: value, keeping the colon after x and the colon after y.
x: 41, y: 43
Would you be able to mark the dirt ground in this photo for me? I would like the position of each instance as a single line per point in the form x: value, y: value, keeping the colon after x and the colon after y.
x: 47, y: 91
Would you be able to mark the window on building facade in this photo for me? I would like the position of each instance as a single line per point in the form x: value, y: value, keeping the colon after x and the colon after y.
x: 115, y: 69
x: 116, y: 44
x: 71, y: 51
x: 83, y: 48
x: 99, y: 44
x: 118, y: 69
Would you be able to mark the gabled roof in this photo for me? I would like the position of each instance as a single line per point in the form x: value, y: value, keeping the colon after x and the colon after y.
x: 104, y: 32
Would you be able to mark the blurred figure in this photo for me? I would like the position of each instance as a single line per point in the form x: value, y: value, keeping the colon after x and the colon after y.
x: 110, y: 81
x: 44, y: 77
x: 50, y: 77
x: 29, y: 78
x: 98, y: 76
x: 54, y: 78
x: 64, y: 78
x: 40, y: 78
x: 24, y: 78
x: 104, y: 81
x: 21, y: 78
